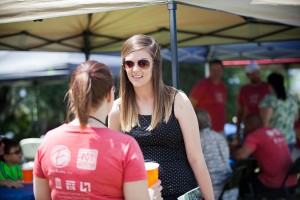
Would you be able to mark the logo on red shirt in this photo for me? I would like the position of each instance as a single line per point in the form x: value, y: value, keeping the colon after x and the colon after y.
x: 87, y: 159
x: 60, y: 156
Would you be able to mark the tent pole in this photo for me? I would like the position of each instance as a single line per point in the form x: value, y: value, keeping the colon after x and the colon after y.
x: 86, y: 35
x: 86, y: 45
x: 174, y: 54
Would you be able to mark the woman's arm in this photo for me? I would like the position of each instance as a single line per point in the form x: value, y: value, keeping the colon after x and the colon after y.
x: 41, y: 189
x: 11, y: 184
x: 266, y: 114
x: 114, y: 117
x: 186, y: 116
x: 136, y: 190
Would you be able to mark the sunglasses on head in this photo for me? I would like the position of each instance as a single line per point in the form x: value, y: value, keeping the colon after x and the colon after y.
x: 143, y: 64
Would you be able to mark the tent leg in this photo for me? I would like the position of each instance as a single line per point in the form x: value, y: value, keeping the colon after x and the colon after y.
x: 87, y: 56
x: 174, y: 54
x: 86, y: 35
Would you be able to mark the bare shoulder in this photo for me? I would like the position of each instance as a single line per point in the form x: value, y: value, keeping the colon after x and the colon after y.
x: 181, y: 99
x: 182, y: 105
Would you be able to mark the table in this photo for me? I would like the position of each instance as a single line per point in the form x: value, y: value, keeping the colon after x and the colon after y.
x: 25, y: 193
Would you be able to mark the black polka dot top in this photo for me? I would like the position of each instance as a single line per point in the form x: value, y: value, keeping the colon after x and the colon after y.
x: 165, y: 146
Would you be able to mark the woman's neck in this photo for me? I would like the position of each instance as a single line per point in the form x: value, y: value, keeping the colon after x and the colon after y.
x: 145, y: 104
x: 97, y: 117
x: 144, y: 93
x: 145, y: 99
x: 96, y: 120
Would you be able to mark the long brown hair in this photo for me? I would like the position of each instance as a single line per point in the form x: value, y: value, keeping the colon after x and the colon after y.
x: 163, y: 95
x: 276, y: 80
x: 90, y: 83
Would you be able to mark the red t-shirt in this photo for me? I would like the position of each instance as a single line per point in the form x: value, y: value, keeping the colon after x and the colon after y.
x: 89, y: 165
x: 212, y: 98
x: 272, y: 155
x: 250, y: 95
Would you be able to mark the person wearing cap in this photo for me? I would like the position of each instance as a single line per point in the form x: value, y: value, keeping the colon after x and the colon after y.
x: 210, y: 94
x: 250, y: 94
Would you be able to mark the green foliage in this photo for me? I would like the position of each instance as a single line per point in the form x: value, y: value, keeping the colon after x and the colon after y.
x: 30, y: 111
x: 189, y: 74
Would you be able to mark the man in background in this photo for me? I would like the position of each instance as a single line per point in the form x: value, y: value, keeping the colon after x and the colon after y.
x: 271, y: 152
x: 250, y: 95
x: 210, y: 94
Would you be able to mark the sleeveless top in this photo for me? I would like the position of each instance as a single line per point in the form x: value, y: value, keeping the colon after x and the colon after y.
x: 165, y: 146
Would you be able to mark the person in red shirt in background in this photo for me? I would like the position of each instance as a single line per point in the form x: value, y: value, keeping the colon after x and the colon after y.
x: 250, y: 95
x: 269, y: 148
x: 210, y: 94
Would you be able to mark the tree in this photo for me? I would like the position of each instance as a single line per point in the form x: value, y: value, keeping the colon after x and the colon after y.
x: 29, y: 111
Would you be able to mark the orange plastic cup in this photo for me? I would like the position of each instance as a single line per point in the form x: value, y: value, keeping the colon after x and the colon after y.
x: 27, y: 175
x: 152, y: 172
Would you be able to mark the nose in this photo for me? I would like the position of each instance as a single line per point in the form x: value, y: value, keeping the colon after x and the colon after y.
x: 136, y: 67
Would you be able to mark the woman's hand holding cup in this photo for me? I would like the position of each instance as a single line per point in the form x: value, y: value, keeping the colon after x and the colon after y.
x: 155, y: 191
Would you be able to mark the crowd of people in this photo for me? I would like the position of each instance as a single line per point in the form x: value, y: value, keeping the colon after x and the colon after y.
x: 91, y: 159
x: 266, y: 115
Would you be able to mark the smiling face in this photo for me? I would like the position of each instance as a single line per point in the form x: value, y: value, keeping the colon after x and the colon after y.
x: 138, y: 75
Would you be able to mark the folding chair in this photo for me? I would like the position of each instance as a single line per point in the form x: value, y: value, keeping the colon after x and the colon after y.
x: 293, y: 171
x: 29, y: 147
x: 239, y: 170
x: 234, y: 180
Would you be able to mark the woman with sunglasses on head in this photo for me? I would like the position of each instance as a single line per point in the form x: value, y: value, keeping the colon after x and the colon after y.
x: 84, y: 159
x: 161, y: 119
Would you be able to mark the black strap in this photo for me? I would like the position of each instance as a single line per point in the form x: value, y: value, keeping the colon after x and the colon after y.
x: 98, y: 120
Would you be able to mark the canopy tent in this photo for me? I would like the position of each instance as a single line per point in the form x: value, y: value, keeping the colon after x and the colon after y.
x: 17, y: 11
x: 277, y: 2
x: 19, y: 66
x: 101, y: 26
x: 273, y: 51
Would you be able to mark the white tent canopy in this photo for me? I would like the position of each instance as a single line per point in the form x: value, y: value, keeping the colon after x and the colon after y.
x: 277, y: 2
x: 17, y: 11
x: 100, y: 26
